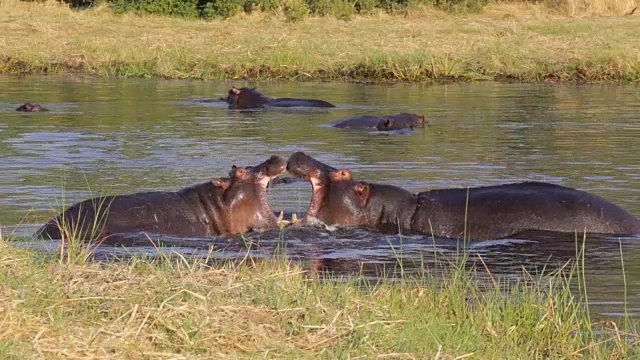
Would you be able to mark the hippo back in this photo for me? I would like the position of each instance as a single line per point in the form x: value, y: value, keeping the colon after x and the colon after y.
x: 291, y: 102
x: 168, y: 213
x: 493, y: 212
x: 356, y: 122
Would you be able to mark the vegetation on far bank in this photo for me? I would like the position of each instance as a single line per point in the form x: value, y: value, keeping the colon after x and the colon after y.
x: 190, y: 308
x: 512, y: 41
x: 296, y: 10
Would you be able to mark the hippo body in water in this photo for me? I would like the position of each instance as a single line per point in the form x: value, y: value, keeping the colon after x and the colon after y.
x: 381, y: 123
x: 489, y: 212
x: 222, y: 206
x: 248, y: 98
x: 29, y: 107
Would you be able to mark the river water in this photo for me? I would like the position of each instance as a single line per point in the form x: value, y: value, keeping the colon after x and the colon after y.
x: 118, y: 136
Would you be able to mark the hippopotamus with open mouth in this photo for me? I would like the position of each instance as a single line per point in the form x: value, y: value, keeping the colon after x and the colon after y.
x: 489, y: 212
x: 381, y: 123
x: 248, y: 98
x: 29, y: 107
x: 221, y: 206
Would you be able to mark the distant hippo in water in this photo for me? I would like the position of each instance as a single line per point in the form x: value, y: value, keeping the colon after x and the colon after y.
x: 248, y: 98
x: 490, y: 212
x: 380, y: 123
x: 221, y: 206
x: 29, y: 107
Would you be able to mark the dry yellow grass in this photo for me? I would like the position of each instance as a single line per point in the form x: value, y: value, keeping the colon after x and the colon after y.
x: 179, y: 308
x: 592, y: 7
x: 525, y: 42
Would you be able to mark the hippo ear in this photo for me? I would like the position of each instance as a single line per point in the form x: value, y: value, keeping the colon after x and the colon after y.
x: 384, y: 124
x: 363, y: 190
x: 235, y: 91
x: 237, y: 171
x: 241, y: 173
x: 221, y: 183
x: 341, y: 175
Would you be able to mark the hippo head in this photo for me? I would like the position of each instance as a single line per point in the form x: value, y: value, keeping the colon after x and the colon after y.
x: 244, y: 196
x: 337, y: 199
x: 269, y: 170
x: 245, y: 98
x: 388, y: 124
x: 327, y: 202
x: 405, y: 120
x: 29, y: 107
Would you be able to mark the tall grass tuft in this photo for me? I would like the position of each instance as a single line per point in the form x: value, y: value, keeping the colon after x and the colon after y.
x: 79, y: 237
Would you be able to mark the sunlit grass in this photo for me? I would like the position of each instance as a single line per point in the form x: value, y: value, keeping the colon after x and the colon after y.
x: 178, y: 307
x: 510, y: 41
x: 592, y: 7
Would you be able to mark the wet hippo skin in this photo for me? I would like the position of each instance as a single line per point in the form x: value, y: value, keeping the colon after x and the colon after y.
x: 490, y: 212
x: 248, y: 98
x: 29, y: 107
x: 221, y: 206
x: 381, y: 123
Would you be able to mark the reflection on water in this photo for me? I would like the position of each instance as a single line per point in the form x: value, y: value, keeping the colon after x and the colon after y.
x: 117, y: 136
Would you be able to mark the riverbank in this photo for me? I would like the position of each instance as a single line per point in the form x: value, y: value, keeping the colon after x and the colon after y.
x: 517, y: 42
x: 181, y: 308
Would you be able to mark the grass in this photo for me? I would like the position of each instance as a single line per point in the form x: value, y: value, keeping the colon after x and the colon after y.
x: 80, y: 231
x: 173, y: 307
x: 513, y: 41
x: 592, y: 7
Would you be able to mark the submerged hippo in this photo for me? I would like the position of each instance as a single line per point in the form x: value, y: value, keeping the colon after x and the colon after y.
x: 490, y: 212
x: 221, y: 206
x: 29, y: 107
x: 381, y: 123
x: 248, y: 98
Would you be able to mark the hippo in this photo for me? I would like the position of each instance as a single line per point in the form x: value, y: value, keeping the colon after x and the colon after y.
x: 480, y: 213
x: 250, y: 98
x: 380, y: 123
x: 29, y: 107
x: 232, y: 205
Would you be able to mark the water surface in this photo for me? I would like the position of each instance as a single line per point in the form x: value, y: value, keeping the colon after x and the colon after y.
x: 117, y: 136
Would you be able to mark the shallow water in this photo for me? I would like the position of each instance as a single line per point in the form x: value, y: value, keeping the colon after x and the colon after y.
x: 117, y: 136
